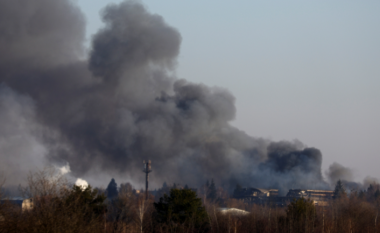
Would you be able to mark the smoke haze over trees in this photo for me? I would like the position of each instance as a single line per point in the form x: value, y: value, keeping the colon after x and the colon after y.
x: 124, y: 104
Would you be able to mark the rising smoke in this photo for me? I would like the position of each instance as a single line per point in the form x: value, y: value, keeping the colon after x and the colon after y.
x: 123, y: 104
x: 337, y: 172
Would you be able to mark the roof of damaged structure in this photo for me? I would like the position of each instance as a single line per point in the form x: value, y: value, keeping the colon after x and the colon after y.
x: 266, y: 190
x: 250, y: 189
x: 255, y: 192
x: 309, y: 193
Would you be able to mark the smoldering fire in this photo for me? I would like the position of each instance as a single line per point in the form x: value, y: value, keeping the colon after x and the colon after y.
x: 124, y: 103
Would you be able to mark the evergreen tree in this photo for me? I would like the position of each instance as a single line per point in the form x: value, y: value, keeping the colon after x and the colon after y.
x: 181, y: 207
x: 361, y: 194
x: 300, y: 213
x: 89, y: 200
x: 165, y: 189
x: 377, y: 194
x: 212, y: 191
x: 339, y: 191
x: 371, y: 190
x: 112, y: 189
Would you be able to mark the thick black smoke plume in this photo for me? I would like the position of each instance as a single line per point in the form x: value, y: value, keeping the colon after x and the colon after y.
x: 123, y: 104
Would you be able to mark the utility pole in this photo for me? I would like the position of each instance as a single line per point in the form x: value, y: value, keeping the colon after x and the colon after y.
x: 147, y: 170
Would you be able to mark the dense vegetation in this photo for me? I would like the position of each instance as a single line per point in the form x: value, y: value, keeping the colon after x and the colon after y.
x: 61, y: 207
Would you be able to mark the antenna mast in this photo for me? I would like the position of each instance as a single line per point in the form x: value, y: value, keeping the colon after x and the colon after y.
x: 147, y: 170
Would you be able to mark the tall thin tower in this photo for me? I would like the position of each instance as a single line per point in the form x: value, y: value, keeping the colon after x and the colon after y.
x: 147, y: 170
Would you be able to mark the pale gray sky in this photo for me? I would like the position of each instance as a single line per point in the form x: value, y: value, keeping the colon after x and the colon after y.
x: 307, y: 70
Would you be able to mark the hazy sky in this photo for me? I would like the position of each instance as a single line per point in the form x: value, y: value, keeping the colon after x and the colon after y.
x: 307, y: 70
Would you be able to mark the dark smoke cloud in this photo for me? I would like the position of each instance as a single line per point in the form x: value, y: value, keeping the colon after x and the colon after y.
x: 337, y: 172
x: 20, y: 150
x: 39, y: 34
x: 104, y: 115
x: 291, y: 165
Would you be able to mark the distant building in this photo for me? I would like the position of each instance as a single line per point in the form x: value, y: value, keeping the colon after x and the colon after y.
x: 255, y: 195
x: 319, y: 197
x: 27, y: 204
x: 24, y: 204
x: 270, y: 196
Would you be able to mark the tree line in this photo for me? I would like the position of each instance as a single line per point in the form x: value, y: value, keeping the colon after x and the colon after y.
x: 61, y: 207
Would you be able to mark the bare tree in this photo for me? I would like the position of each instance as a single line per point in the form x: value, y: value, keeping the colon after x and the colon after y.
x: 56, y: 207
x: 48, y: 182
x: 121, y: 210
x: 142, y: 206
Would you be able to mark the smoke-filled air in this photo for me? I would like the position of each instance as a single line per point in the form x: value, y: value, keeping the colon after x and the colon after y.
x: 105, y: 109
